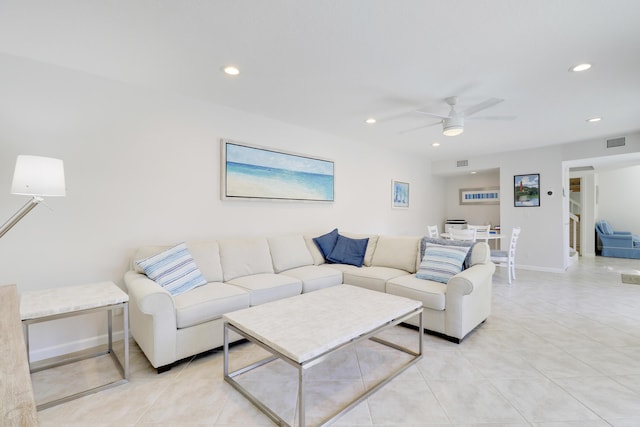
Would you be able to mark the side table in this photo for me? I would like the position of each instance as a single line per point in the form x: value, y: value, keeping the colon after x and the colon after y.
x: 56, y: 303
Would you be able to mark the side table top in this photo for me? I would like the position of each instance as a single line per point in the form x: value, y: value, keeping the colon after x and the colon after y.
x: 67, y: 299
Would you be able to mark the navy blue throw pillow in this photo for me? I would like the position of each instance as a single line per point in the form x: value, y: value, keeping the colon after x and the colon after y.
x: 327, y: 242
x: 349, y: 251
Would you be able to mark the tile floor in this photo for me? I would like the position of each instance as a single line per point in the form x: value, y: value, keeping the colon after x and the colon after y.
x: 558, y: 350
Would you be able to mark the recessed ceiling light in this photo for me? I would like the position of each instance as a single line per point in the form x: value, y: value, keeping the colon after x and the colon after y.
x: 473, y: 172
x: 580, y: 67
x: 594, y: 119
x: 435, y: 144
x: 231, y: 70
x: 370, y: 120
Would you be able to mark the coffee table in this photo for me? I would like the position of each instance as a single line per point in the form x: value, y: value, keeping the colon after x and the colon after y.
x: 304, y: 330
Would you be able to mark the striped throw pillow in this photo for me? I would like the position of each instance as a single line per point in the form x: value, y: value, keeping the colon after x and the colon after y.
x: 174, y: 269
x: 440, y: 263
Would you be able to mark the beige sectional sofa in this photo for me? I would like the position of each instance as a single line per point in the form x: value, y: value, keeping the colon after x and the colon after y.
x: 250, y: 271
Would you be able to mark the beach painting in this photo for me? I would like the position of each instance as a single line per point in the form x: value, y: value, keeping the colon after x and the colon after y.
x: 526, y: 190
x: 399, y: 194
x: 251, y: 172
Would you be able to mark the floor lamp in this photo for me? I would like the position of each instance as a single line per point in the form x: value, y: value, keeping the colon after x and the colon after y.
x: 37, y: 177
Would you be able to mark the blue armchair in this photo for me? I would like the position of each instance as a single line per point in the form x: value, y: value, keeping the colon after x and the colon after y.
x: 619, y: 244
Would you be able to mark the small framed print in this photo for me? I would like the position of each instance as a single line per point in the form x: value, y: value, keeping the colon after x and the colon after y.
x: 480, y: 196
x: 526, y: 190
x: 399, y: 194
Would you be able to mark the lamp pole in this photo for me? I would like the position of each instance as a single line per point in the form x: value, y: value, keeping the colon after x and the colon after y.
x: 32, y: 203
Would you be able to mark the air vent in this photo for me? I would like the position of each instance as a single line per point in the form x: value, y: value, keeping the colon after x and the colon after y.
x: 616, y: 142
x: 462, y: 163
x: 581, y: 169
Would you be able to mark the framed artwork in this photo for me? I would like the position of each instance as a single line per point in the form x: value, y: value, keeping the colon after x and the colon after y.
x: 480, y: 196
x: 399, y: 194
x: 526, y: 190
x: 255, y: 173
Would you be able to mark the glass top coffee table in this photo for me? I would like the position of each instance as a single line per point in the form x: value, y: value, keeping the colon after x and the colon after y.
x: 304, y: 330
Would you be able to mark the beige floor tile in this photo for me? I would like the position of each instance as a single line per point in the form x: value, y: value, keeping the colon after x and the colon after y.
x: 560, y: 349
x: 604, y: 396
x: 475, y: 401
x: 539, y: 399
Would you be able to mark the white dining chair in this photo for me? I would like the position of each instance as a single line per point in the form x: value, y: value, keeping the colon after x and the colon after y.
x: 507, y: 258
x: 433, y: 231
x: 466, y: 234
x: 482, y: 232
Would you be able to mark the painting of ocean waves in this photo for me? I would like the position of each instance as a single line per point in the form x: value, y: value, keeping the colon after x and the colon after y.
x: 258, y: 173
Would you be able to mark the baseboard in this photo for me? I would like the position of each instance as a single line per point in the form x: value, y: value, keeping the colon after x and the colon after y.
x: 538, y: 268
x: 72, y: 346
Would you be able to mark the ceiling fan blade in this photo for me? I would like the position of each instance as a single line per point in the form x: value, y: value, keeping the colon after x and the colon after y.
x: 391, y: 117
x: 493, y: 118
x: 483, y: 105
x: 419, y: 127
x: 426, y: 113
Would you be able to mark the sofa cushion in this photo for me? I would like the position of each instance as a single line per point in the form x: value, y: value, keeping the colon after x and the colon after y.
x: 208, y: 302
x: 440, y: 263
x: 432, y: 294
x: 374, y: 278
x: 349, y: 251
x: 317, y: 256
x: 174, y: 269
x: 207, y: 258
x: 289, y: 252
x: 606, y: 228
x: 397, y: 252
x: 146, y: 252
x: 315, y: 277
x: 206, y: 255
x: 371, y: 245
x: 244, y: 257
x: 266, y: 287
x: 327, y: 242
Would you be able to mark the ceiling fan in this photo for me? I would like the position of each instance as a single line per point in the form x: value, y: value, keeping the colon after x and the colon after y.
x: 453, y: 123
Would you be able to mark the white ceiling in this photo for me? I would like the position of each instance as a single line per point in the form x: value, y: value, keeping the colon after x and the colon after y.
x: 330, y: 64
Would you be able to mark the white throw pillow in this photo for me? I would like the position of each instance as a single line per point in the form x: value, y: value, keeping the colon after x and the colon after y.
x: 441, y: 263
x: 174, y: 269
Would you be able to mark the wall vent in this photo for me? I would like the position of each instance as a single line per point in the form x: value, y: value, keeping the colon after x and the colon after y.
x: 616, y: 142
x: 581, y: 169
x: 462, y: 163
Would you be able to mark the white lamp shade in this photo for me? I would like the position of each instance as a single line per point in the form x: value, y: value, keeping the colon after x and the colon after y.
x: 38, y: 176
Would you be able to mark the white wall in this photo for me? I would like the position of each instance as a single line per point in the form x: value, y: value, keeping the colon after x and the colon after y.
x: 540, y: 245
x: 619, y: 198
x: 144, y: 168
x: 544, y: 241
x: 474, y: 214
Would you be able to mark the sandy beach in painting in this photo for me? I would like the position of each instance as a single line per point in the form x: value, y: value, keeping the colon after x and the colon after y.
x: 277, y: 187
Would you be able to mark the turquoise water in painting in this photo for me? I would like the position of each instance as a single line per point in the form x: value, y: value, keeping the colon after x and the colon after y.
x: 309, y: 186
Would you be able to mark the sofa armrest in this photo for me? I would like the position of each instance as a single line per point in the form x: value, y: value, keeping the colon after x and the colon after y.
x: 465, y: 282
x: 468, y: 299
x: 152, y: 318
x: 617, y: 240
x: 150, y: 297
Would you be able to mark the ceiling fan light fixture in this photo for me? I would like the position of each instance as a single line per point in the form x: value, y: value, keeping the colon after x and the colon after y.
x: 453, y: 126
x: 580, y: 67
x: 230, y: 70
